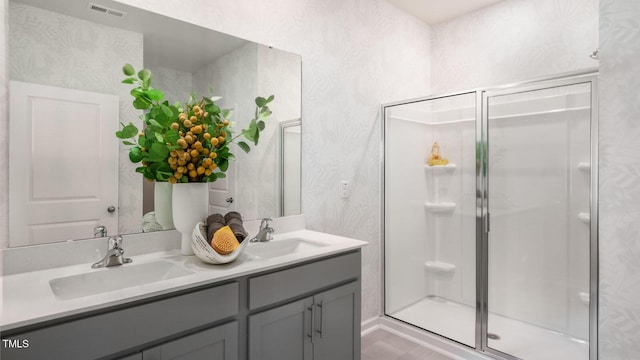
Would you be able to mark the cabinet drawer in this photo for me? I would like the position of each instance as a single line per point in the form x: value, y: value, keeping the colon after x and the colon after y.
x: 101, y: 335
x: 219, y: 343
x: 282, y: 285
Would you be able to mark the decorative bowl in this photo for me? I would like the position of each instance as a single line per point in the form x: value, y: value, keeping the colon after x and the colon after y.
x: 203, y: 250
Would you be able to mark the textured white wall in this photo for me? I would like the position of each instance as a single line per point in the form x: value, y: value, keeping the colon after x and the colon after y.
x: 356, y: 55
x: 176, y: 84
x: 512, y: 41
x: 619, y: 179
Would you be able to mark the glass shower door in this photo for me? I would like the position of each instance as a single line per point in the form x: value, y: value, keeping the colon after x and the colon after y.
x: 430, y: 215
x: 539, y: 221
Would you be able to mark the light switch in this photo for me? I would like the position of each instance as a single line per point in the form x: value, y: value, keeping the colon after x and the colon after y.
x: 345, y: 189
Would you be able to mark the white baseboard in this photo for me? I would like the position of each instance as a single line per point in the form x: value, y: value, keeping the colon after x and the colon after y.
x: 370, y: 325
x: 423, y: 338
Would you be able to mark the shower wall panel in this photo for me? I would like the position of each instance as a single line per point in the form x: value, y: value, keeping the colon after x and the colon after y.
x: 406, y: 230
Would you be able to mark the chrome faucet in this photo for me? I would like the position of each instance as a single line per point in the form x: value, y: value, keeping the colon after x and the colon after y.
x: 265, y: 231
x: 99, y: 231
x: 115, y: 254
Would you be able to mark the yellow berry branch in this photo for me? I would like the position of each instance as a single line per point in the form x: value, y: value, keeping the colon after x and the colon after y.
x: 183, y: 143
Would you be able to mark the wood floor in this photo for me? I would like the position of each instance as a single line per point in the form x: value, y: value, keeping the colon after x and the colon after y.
x: 382, y: 345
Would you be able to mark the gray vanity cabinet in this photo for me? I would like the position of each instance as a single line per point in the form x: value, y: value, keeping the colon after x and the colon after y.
x: 283, y: 333
x: 320, y: 327
x: 138, y: 328
x: 219, y: 343
x: 337, y: 323
x: 301, y: 311
x: 311, y: 311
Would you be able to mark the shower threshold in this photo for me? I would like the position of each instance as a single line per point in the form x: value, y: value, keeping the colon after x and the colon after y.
x: 457, y: 322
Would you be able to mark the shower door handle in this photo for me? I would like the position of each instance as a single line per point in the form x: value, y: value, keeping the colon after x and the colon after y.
x: 488, y: 225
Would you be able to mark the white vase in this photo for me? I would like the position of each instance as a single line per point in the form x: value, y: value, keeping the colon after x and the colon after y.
x: 162, y: 204
x: 190, y: 201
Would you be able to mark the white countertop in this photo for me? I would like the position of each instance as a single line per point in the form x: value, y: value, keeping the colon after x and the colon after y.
x: 29, y: 299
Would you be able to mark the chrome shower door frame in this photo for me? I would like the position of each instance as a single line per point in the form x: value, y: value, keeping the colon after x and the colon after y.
x: 483, y: 216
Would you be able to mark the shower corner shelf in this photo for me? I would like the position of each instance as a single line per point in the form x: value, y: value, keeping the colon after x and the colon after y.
x: 440, y: 168
x: 584, y: 217
x: 440, y: 207
x: 584, y: 166
x: 439, y: 267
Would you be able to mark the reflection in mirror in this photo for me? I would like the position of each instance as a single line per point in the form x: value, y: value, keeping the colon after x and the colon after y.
x: 290, y: 166
x: 65, y: 64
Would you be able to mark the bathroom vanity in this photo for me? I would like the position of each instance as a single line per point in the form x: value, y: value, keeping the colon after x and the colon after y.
x: 297, y: 297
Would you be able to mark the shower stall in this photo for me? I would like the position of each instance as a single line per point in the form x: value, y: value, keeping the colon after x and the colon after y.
x: 490, y: 217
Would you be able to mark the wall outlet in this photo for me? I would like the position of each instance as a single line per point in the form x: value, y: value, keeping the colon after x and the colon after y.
x: 345, y: 189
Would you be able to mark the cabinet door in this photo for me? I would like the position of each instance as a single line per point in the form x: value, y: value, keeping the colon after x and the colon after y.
x: 282, y: 333
x: 219, y: 343
x: 337, y: 323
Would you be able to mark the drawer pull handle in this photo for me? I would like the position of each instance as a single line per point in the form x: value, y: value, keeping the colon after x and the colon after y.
x: 321, y: 330
x: 312, y: 310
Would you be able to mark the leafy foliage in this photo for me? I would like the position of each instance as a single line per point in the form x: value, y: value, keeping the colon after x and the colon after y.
x: 183, y: 143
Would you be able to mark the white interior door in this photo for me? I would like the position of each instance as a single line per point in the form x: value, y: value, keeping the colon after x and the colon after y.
x: 222, y: 192
x: 63, y: 163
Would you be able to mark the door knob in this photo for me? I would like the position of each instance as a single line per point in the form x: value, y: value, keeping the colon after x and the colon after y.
x: 229, y: 200
x: 111, y: 209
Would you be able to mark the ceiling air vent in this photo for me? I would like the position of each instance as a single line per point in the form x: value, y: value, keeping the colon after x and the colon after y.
x: 97, y: 8
x: 106, y: 10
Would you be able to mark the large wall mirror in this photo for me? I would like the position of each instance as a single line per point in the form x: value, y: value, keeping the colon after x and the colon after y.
x: 69, y: 174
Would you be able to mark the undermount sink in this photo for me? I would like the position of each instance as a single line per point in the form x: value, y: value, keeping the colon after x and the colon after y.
x: 276, y: 248
x: 114, y: 278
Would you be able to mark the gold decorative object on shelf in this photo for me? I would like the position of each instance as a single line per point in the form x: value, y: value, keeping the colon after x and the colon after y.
x: 435, y: 159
